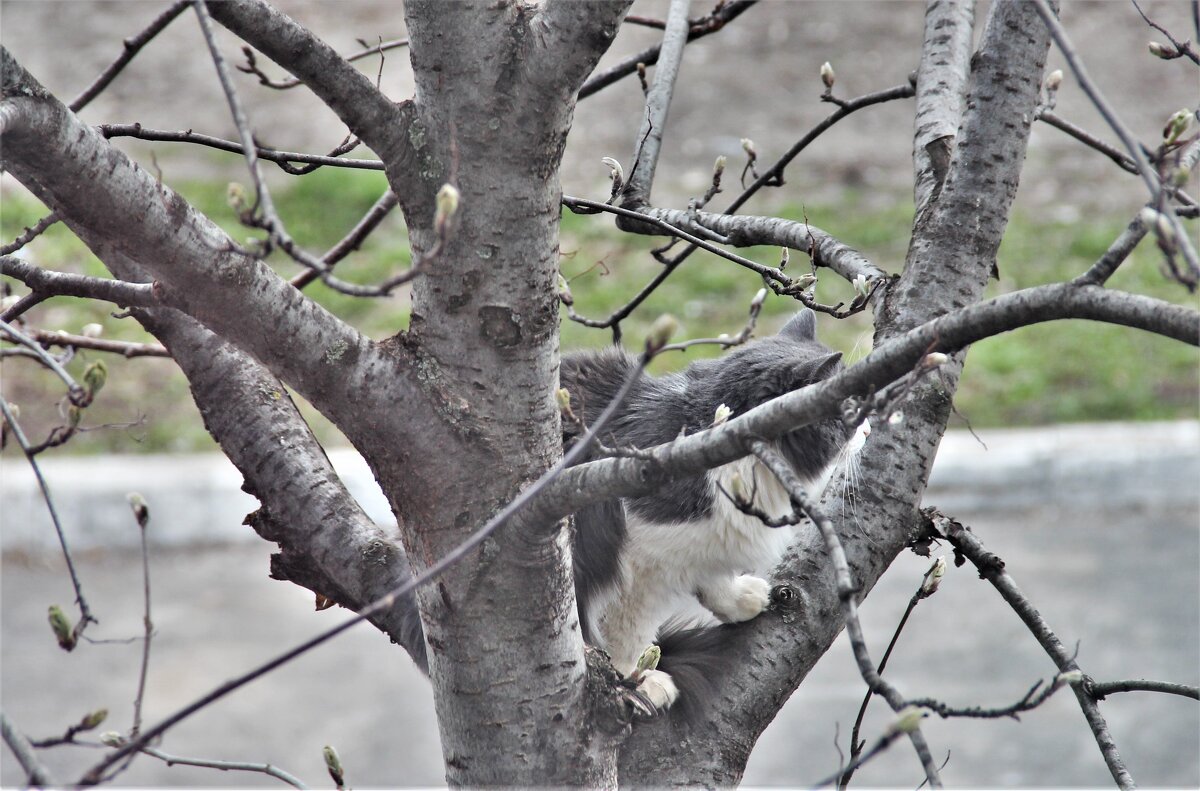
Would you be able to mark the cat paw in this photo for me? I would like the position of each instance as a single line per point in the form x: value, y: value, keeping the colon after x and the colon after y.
x: 658, y: 688
x: 751, y: 596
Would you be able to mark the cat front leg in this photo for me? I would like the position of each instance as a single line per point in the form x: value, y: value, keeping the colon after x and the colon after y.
x: 735, y: 599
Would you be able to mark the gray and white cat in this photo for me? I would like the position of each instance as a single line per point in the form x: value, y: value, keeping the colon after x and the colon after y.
x: 639, y: 561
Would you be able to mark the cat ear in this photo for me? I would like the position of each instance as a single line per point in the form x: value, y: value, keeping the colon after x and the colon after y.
x: 802, y: 326
x: 827, y: 366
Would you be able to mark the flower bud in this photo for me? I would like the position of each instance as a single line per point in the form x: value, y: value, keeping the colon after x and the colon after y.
x: 806, y: 281
x: 827, y: 75
x: 748, y: 147
x: 660, y: 332
x: 862, y: 284
x: 908, y: 719
x: 933, y: 360
x: 1054, y: 79
x: 92, y: 330
x: 141, y: 511
x: 563, y: 396
x: 61, y: 626
x: 1161, y: 51
x: 112, y: 739
x: 719, y: 167
x: 759, y: 298
x: 334, y: 764
x: 615, y: 172
x: 447, y: 206
x: 1071, y: 677
x: 721, y: 415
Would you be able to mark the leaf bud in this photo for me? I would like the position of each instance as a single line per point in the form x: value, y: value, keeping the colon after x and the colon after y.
x: 805, y: 281
x: 615, y: 172
x: 563, y: 396
x: 737, y: 488
x: 827, y: 75
x: 92, y: 720
x: 112, y: 739
x: 721, y: 415
x: 1178, y: 124
x: 61, y: 626
x: 74, y: 415
x: 748, y: 147
x: 660, y: 332
x: 235, y: 196
x: 564, y: 292
x: 933, y: 577
x: 1054, y: 79
x: 719, y: 167
x: 92, y: 330
x: 649, y: 659
x: 141, y: 511
x: 95, y: 375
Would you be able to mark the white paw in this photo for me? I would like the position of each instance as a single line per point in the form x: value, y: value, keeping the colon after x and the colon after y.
x: 751, y: 596
x: 658, y: 688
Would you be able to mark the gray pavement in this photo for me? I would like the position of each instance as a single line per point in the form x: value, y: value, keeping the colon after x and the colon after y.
x: 1108, y: 550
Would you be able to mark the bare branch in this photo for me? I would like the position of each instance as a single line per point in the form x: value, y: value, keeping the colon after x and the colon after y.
x: 251, y: 65
x: 991, y: 568
x: 658, y: 103
x: 70, y: 285
x: 1101, y: 690
x: 226, y: 766
x: 132, y: 46
x: 36, y: 773
x: 1132, y: 147
x: 1099, y: 272
x: 78, y: 394
x: 142, y: 515
x: 941, y: 90
x: 1182, y: 48
x: 123, y: 348
x: 352, y: 240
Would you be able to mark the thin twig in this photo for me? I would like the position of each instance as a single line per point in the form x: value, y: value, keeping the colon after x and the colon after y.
x: 991, y: 568
x: 226, y: 766
x: 30, y: 233
x: 124, y: 348
x: 78, y: 395
x: 85, y: 612
x: 577, y: 452
x: 354, y: 239
x: 131, y: 48
x: 35, y: 771
x: 142, y: 516
x: 1116, y: 254
x: 251, y: 66
x: 847, y: 592
x: 721, y: 16
x: 281, y: 158
x: 1182, y: 48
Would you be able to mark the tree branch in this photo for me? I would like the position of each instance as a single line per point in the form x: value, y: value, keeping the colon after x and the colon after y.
x: 1101, y: 690
x: 36, y: 773
x: 991, y: 568
x: 71, y: 285
x: 941, y: 90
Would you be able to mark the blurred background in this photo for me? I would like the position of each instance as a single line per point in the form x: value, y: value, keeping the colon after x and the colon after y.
x: 1083, y: 476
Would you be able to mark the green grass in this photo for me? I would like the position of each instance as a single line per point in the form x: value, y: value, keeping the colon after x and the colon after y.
x: 1062, y: 371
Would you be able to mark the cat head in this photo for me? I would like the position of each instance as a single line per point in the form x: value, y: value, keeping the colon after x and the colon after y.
x: 770, y: 367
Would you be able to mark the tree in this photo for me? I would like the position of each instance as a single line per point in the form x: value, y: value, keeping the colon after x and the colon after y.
x: 472, y: 161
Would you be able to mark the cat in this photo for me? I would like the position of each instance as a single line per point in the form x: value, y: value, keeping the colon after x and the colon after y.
x: 639, y: 561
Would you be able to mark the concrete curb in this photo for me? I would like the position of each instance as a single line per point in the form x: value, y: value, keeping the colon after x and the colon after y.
x: 198, y: 500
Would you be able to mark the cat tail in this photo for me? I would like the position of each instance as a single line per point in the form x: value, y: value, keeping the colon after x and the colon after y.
x: 695, y: 657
